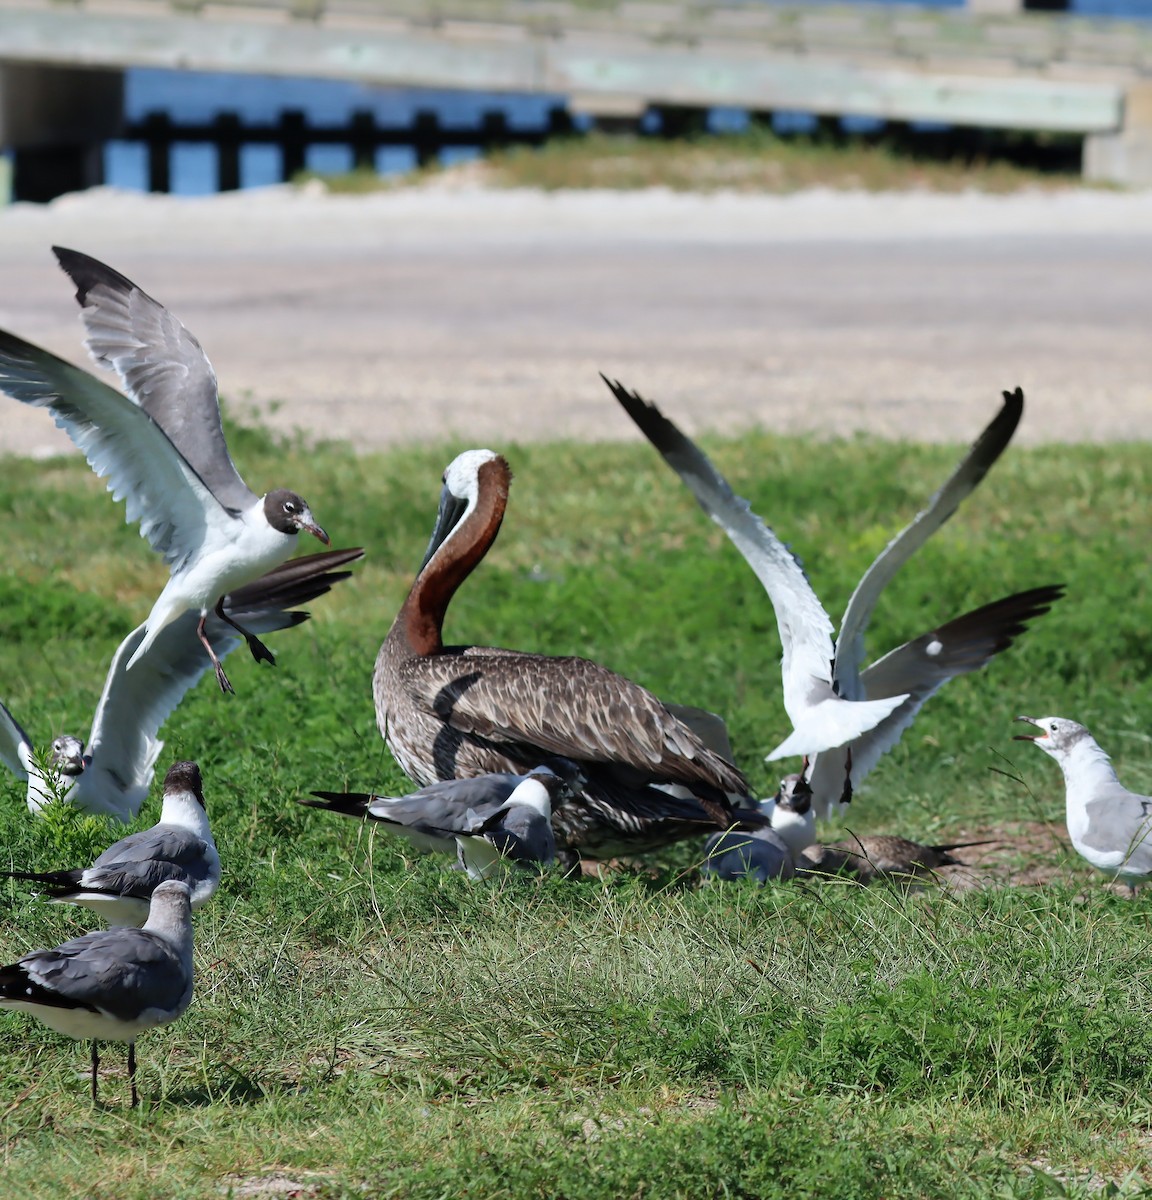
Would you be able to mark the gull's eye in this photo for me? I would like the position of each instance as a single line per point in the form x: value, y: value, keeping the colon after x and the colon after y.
x: 1053, y: 726
x: 289, y: 506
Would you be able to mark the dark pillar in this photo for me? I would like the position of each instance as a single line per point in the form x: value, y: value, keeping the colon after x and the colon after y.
x: 158, y: 141
x: 679, y: 121
x: 55, y: 121
x: 229, y: 137
x: 426, y: 137
x: 293, y: 142
x: 362, y: 138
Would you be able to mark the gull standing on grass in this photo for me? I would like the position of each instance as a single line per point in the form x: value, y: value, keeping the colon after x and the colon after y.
x: 112, y: 985
x: 118, y: 886
x: 771, y: 853
x: 1109, y: 825
x: 162, y: 450
x: 847, y: 715
x: 520, y: 832
x: 495, y: 806
x: 113, y: 772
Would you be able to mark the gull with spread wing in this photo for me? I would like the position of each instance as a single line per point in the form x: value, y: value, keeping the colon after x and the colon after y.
x: 823, y: 696
x: 113, y: 772
x: 162, y: 450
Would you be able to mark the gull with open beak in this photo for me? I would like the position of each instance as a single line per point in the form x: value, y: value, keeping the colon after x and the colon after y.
x: 1109, y: 826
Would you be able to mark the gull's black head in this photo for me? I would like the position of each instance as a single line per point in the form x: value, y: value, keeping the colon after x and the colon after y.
x: 288, y: 513
x: 185, y: 777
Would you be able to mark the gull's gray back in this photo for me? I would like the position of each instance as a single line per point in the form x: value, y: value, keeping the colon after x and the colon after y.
x: 123, y: 972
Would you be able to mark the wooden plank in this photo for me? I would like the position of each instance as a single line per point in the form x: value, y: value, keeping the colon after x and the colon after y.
x: 898, y: 30
x: 749, y: 79
x: 401, y: 58
x: 488, y: 56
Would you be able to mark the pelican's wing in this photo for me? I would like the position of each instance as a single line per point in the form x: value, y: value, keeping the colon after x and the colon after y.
x: 15, y: 745
x: 533, y: 706
x: 162, y: 366
x: 136, y: 703
x: 123, y: 444
x: 709, y: 727
x: 805, y: 628
x: 975, y: 465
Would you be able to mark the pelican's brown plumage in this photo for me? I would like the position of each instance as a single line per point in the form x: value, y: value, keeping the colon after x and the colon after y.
x: 457, y: 711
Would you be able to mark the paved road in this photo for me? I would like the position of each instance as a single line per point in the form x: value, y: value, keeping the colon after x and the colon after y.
x: 486, y: 317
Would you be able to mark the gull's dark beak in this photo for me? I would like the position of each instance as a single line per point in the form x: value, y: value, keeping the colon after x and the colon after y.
x: 1029, y: 737
x: 308, y: 525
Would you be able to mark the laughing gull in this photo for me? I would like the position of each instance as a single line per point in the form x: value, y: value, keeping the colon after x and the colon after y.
x: 113, y: 773
x: 162, y: 450
x: 119, y: 884
x: 519, y: 832
x: 772, y: 852
x: 825, y: 685
x: 432, y: 818
x: 880, y: 856
x: 112, y: 985
x: 1109, y: 825
x: 821, y: 718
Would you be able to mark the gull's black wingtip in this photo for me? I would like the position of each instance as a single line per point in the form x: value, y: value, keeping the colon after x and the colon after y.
x: 87, y: 272
x: 660, y: 430
x: 350, y: 804
x: 1013, y: 405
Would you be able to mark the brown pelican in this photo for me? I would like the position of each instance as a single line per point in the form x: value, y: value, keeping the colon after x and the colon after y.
x: 458, y: 711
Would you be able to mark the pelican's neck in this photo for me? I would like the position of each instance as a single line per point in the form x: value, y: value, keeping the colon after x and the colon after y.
x: 420, y: 621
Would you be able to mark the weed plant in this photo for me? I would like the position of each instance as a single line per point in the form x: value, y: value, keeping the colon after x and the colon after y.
x: 369, y: 1023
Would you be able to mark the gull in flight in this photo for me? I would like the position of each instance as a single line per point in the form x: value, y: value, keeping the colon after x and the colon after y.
x: 112, y: 985
x: 1109, y: 826
x: 118, y: 886
x: 828, y: 692
x: 161, y: 449
x: 112, y: 773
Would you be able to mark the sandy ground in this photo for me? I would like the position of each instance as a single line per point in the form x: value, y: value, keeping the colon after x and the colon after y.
x: 485, y: 316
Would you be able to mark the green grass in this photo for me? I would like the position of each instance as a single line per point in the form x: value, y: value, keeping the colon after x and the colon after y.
x: 371, y: 1025
x: 755, y: 161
